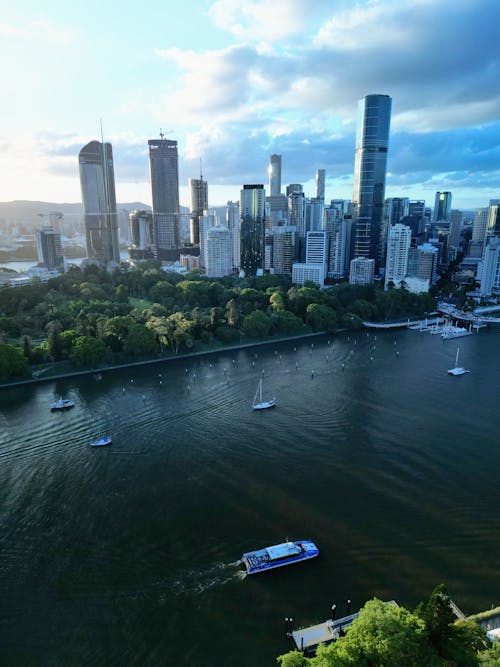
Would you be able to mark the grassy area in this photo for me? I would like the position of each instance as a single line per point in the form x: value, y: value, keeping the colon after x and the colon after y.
x: 484, y: 615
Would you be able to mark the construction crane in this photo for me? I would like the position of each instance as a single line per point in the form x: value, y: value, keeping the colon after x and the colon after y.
x: 162, y: 133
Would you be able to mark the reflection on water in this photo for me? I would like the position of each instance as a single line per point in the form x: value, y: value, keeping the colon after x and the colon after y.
x: 131, y: 551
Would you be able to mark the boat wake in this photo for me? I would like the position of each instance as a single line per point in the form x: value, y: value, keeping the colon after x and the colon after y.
x: 198, y: 581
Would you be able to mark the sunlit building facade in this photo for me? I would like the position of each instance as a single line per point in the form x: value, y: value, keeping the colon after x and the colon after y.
x: 97, y: 181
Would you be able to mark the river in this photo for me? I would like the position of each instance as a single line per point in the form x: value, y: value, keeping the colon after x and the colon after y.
x: 128, y: 555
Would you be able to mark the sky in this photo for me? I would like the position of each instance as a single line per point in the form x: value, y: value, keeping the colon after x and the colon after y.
x: 236, y: 80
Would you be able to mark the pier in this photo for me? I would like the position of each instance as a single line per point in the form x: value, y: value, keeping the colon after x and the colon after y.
x: 308, y: 639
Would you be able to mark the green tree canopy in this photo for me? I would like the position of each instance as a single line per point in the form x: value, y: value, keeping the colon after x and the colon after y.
x: 12, y: 362
x: 256, y: 324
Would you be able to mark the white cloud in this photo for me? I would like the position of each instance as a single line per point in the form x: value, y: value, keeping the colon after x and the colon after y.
x: 260, y: 20
x: 38, y: 29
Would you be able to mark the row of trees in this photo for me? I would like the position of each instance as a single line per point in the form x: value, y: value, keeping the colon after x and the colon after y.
x: 91, y: 316
x: 393, y: 636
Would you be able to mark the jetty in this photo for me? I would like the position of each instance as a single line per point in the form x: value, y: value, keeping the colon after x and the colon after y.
x: 308, y: 639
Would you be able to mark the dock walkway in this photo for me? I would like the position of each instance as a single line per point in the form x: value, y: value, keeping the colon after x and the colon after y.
x: 308, y: 639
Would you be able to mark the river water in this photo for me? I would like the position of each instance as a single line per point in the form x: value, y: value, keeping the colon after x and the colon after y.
x: 128, y: 555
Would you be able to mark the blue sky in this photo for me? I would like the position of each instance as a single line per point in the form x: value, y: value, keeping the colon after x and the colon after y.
x: 235, y: 80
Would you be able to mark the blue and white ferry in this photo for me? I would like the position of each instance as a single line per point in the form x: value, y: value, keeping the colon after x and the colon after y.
x: 279, y: 555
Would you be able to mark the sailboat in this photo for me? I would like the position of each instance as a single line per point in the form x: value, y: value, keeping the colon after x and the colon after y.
x: 260, y: 404
x: 457, y: 370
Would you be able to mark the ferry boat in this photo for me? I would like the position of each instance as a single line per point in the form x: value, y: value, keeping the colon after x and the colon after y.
x: 62, y: 404
x: 456, y: 332
x: 279, y: 555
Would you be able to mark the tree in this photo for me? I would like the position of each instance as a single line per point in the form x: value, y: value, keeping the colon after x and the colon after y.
x: 256, y: 324
x: 383, y: 634
x: 139, y: 341
x: 26, y: 346
x: 88, y: 351
x: 320, y: 317
x: 277, y: 301
x: 292, y: 659
x: 232, y: 312
x: 12, y: 362
x: 286, y: 322
x: 450, y: 641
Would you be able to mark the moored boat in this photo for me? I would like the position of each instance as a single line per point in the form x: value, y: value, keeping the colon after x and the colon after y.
x: 258, y: 403
x: 279, y: 555
x: 62, y: 404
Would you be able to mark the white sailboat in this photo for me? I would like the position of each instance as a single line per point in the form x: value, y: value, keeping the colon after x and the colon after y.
x: 258, y: 403
x: 457, y: 370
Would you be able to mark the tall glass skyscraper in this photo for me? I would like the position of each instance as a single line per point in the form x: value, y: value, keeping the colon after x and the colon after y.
x: 370, y: 162
x: 252, y: 212
x: 275, y: 175
x: 442, y: 206
x: 97, y: 180
x: 164, y: 166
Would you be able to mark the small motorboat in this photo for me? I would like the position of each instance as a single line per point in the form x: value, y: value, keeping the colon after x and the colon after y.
x: 62, y: 404
x: 101, y: 442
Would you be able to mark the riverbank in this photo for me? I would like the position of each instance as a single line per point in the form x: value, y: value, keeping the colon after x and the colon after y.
x: 159, y: 360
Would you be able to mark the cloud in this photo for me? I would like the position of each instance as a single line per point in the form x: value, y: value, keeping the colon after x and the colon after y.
x: 260, y: 20
x: 38, y: 29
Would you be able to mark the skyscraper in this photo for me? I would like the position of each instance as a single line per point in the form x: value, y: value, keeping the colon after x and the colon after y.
x: 442, y: 206
x: 97, y: 180
x: 372, y: 139
x: 198, y: 191
x: 320, y: 184
x: 398, y: 244
x: 252, y: 213
x: 48, y: 243
x: 164, y: 166
x: 275, y: 175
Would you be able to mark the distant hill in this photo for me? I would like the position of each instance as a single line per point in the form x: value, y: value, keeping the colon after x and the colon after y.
x: 27, y: 212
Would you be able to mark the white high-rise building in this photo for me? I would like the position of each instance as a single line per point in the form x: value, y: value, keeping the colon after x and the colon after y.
x: 362, y: 271
x: 303, y: 272
x: 317, y: 249
x: 208, y: 220
x: 398, y: 244
x: 489, y: 271
x: 219, y: 252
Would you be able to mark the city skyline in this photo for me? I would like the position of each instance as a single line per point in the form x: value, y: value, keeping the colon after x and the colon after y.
x: 235, y: 82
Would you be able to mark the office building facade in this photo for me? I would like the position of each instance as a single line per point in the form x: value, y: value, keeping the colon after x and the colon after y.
x: 164, y: 168
x: 97, y: 181
x: 198, y: 196
x: 370, y: 164
x: 442, y: 206
x: 252, y: 228
x: 48, y: 244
